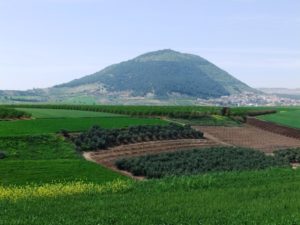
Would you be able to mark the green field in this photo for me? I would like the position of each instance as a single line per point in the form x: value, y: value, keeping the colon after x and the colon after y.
x: 45, y: 126
x: 261, y: 198
x: 62, y: 113
x: 44, y: 147
x: 285, y: 116
x: 21, y: 172
x: 10, y: 113
x: 45, y: 159
x: 44, y: 180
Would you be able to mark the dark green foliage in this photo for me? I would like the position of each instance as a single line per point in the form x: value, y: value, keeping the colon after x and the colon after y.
x: 2, y: 155
x: 225, y: 111
x: 98, y: 138
x: 199, y: 161
x: 163, y: 73
x: 8, y: 113
x: 290, y: 155
x: 261, y: 112
x: 214, y: 120
x: 251, y: 111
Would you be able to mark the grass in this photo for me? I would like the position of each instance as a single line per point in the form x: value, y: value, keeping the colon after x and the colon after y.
x: 256, y: 198
x: 46, y: 159
x: 8, y: 113
x: 37, y: 147
x: 22, y: 172
x: 46, y: 126
x: 63, y: 113
x: 286, y: 116
x: 214, y: 120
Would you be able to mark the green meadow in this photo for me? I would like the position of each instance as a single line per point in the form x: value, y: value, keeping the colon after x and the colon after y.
x: 285, y: 116
x: 62, y: 113
x: 54, y: 125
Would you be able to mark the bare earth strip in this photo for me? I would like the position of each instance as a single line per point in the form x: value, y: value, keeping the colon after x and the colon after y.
x: 249, y: 137
x: 108, y: 157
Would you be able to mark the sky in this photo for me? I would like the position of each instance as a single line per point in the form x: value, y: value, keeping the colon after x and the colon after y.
x: 48, y: 42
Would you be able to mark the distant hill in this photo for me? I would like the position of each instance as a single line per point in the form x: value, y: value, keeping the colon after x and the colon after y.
x: 164, y: 73
x: 164, y: 76
x: 281, y: 91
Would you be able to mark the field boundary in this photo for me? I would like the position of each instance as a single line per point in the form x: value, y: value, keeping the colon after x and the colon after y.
x: 107, y: 158
x: 274, y: 128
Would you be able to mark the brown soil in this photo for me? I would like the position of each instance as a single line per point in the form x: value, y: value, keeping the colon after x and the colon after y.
x: 108, y: 157
x: 249, y: 137
x: 274, y: 128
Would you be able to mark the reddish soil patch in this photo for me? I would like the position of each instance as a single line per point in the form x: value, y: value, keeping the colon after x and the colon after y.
x: 249, y: 137
x: 274, y: 128
x: 108, y: 157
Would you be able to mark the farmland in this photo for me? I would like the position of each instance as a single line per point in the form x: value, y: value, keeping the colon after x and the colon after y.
x: 264, y: 197
x: 46, y: 126
x: 285, y: 116
x: 168, y: 111
x: 9, y: 113
x: 62, y: 113
x: 199, y: 161
x: 45, y: 159
x: 45, y: 180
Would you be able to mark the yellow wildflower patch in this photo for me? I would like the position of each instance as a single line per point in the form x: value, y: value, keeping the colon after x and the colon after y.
x: 61, y: 189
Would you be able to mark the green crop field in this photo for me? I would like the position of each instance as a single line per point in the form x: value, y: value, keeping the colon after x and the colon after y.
x: 285, y: 116
x: 45, y: 159
x: 183, y: 112
x: 45, y: 180
x: 62, y: 113
x: 21, y: 172
x: 266, y: 197
x: 45, y: 126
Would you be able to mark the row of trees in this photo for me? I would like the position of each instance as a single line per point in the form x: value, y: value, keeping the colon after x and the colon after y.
x: 97, y: 138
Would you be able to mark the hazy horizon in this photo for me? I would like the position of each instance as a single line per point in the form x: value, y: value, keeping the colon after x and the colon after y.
x: 47, y: 43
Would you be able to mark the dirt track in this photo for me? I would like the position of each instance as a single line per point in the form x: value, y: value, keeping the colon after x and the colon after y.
x: 250, y: 137
x: 108, y: 157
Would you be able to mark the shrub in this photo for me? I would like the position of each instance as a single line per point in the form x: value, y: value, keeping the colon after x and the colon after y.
x: 289, y: 155
x: 97, y: 138
x: 8, y: 113
x: 2, y: 155
x: 198, y: 161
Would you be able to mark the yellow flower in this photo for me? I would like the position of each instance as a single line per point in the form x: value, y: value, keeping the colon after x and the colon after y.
x: 15, y: 193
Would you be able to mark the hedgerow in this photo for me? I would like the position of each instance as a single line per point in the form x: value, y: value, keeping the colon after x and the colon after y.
x: 198, y: 161
x: 8, y: 113
x: 97, y: 138
x: 290, y: 155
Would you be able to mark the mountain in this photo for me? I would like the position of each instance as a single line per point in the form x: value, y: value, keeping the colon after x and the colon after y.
x: 164, y: 76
